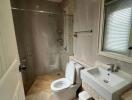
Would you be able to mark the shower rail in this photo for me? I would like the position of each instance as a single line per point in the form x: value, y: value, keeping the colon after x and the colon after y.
x: 36, y: 11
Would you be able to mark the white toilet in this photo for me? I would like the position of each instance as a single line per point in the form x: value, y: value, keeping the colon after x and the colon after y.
x: 66, y: 88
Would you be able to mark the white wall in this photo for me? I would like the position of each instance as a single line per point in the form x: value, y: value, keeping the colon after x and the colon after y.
x: 86, y: 46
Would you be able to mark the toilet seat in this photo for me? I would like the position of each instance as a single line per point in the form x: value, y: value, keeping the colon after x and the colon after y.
x: 60, y: 84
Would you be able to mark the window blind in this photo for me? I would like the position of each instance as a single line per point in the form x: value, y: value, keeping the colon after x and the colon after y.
x: 117, y: 30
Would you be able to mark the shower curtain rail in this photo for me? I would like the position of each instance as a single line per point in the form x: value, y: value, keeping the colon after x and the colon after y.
x: 36, y: 11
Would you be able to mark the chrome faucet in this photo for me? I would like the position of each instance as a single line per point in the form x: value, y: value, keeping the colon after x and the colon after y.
x: 113, y: 68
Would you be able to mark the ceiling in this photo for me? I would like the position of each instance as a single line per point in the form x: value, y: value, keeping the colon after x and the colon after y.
x: 56, y: 1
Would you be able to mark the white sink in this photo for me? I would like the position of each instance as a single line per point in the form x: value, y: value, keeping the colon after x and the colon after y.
x: 105, y: 77
x: 108, y: 85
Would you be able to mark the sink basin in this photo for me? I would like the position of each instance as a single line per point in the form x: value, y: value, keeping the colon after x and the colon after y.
x: 108, y: 85
x: 105, y: 77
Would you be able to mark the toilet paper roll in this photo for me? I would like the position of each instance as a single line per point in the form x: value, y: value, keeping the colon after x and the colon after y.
x: 85, y: 96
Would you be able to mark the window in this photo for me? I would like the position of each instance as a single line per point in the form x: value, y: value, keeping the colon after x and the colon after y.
x: 117, y: 27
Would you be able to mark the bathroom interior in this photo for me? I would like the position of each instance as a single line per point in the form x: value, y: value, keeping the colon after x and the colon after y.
x: 70, y: 49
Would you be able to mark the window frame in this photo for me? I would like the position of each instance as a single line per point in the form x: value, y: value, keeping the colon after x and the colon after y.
x: 109, y: 54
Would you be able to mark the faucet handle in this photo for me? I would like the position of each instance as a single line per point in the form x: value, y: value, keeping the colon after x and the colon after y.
x: 111, y: 68
x: 117, y: 68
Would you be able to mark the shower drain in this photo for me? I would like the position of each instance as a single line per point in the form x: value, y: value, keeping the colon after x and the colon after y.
x: 58, y: 74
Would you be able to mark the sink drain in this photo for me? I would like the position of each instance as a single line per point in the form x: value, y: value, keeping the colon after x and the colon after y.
x: 106, y: 81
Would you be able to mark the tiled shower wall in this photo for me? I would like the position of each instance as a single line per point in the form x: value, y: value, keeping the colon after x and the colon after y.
x: 37, y: 35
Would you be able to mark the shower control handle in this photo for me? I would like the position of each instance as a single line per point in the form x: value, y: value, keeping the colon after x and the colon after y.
x: 22, y: 68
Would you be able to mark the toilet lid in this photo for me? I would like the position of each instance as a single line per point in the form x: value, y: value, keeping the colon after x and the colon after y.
x: 70, y: 72
x: 60, y: 84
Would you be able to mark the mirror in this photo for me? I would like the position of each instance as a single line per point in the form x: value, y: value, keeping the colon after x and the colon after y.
x: 116, y: 29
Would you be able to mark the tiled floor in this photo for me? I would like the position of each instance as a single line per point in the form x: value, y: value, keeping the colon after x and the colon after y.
x: 40, y: 90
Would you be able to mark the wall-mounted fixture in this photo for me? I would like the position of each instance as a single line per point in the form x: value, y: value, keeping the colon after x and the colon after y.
x: 82, y: 32
x: 58, y: 1
x: 60, y: 42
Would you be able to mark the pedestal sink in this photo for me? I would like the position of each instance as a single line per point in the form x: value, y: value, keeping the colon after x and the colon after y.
x: 109, y: 85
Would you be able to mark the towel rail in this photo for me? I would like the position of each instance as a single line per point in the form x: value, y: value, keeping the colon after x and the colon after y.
x: 82, y: 32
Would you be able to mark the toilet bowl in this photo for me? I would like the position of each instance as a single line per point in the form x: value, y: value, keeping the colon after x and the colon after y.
x: 65, y: 88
